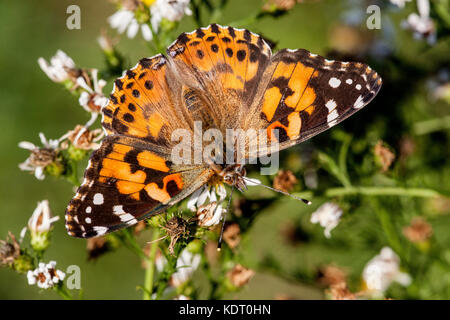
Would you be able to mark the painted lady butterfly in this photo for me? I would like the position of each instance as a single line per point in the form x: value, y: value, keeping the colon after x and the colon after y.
x: 226, y: 78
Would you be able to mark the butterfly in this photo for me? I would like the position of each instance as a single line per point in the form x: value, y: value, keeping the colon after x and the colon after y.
x: 225, y: 78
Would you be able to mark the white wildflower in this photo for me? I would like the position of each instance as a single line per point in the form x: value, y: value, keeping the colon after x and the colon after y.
x: 207, y: 192
x: 40, y: 157
x: 187, y: 263
x: 45, y: 276
x: 210, y: 214
x: 92, y: 99
x: 421, y: 24
x: 172, y: 10
x: 399, y: 3
x: 382, y: 270
x: 328, y: 216
x: 41, y: 219
x: 125, y: 20
x: 59, y: 68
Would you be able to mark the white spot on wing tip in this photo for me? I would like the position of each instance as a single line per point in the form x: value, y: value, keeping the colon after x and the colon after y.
x: 331, y: 104
x: 100, y: 230
x: 359, y: 103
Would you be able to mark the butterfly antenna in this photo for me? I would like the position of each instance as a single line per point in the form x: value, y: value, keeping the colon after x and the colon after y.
x: 283, y: 192
x: 219, y: 245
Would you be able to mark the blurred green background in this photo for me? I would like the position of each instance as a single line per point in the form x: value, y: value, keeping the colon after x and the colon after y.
x: 31, y: 103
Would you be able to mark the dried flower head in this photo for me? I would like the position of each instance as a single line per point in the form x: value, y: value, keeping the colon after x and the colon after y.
x: 139, y: 227
x: 92, y: 98
x: 283, y: 296
x: 175, y: 228
x: 330, y: 275
x: 384, y: 156
x: 85, y: 139
x: 96, y: 247
x: 9, y: 250
x: 45, y: 276
x: 284, y: 180
x: 407, y: 147
x: 280, y: 4
x: 40, y: 157
x: 210, y: 214
x: 340, y: 291
x: 418, y: 231
x: 440, y: 204
x: 211, y: 252
x: 232, y: 234
x: 240, y: 276
x: 328, y: 216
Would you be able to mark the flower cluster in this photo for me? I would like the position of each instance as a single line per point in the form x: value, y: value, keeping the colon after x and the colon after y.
x: 211, y: 213
x: 328, y: 216
x: 45, y: 276
x: 63, y: 69
x: 40, y: 157
x: 148, y: 18
x: 382, y: 270
x: 420, y: 23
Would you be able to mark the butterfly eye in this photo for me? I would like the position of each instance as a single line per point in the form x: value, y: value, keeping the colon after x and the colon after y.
x: 228, y: 178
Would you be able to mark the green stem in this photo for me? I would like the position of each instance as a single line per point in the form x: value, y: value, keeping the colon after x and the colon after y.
x: 247, y: 22
x: 330, y: 165
x: 130, y: 242
x: 62, y: 291
x: 389, y: 229
x: 428, y: 126
x: 383, y: 191
x: 150, y: 271
x: 343, y: 160
x: 196, y: 13
x: 156, y: 40
x: 217, y: 12
x: 73, y: 177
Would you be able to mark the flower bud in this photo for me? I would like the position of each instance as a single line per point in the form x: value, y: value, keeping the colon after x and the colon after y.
x: 40, y: 224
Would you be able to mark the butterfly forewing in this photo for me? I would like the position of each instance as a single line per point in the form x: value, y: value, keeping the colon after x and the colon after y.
x: 308, y: 94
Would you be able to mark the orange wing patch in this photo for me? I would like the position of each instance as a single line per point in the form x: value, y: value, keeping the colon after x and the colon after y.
x: 170, y: 183
x: 138, y: 105
x: 232, y: 55
x: 150, y: 160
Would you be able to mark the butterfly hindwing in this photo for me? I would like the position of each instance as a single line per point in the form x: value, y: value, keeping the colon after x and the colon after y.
x: 127, y: 180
